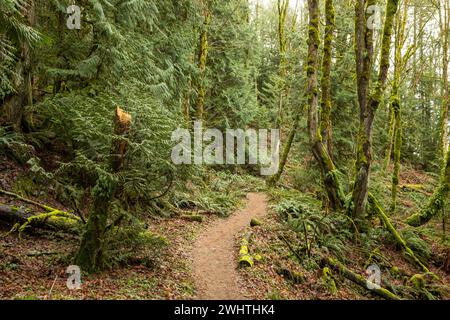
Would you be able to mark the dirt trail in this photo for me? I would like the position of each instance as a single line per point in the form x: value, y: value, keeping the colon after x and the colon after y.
x: 214, y: 265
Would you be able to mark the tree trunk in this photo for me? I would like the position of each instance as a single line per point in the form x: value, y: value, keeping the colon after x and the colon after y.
x: 52, y: 220
x: 283, y: 6
x: 90, y: 255
x: 202, y: 59
x: 375, y: 205
x: 326, y: 129
x: 396, y: 102
x: 445, y: 21
x: 328, y: 170
x: 23, y: 83
x: 368, y: 106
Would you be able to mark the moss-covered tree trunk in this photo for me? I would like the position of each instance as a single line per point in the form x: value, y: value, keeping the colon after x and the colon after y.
x: 396, y: 102
x: 90, y: 256
x: 202, y: 60
x: 368, y: 105
x: 390, y: 142
x: 328, y: 170
x: 445, y: 21
x: 325, y: 113
x: 283, y: 6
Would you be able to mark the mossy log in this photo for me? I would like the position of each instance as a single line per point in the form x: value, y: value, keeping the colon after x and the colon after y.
x: 53, y: 220
x: 375, y: 205
x: 245, y: 259
x: 358, y: 279
x: 255, y: 222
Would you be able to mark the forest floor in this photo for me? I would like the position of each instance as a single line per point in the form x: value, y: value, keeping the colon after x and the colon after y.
x: 201, y: 260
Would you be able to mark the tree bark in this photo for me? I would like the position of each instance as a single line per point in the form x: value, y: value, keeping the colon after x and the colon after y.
x: 445, y: 21
x: 326, y: 128
x: 368, y: 106
x: 332, y: 185
x: 396, y: 102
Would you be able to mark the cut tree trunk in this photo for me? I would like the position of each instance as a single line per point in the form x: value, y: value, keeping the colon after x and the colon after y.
x: 90, y: 254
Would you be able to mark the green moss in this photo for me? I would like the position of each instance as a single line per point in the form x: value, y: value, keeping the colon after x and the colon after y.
x: 328, y: 280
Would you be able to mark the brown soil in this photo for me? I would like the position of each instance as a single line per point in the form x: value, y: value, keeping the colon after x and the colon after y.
x: 214, y: 263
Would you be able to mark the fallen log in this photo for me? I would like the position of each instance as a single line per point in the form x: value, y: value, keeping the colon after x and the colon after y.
x: 358, y: 279
x: 375, y: 205
x: 25, y: 218
x: 245, y: 259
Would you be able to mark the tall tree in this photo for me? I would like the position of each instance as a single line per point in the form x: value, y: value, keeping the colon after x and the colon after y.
x: 396, y: 109
x: 332, y: 185
x: 202, y: 60
x: 326, y: 127
x: 444, y: 18
x: 368, y: 103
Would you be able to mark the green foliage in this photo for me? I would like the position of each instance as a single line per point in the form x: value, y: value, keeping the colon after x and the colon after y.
x: 131, y: 242
x: 219, y: 193
x: 315, y: 230
x: 13, y: 31
x: 420, y: 247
